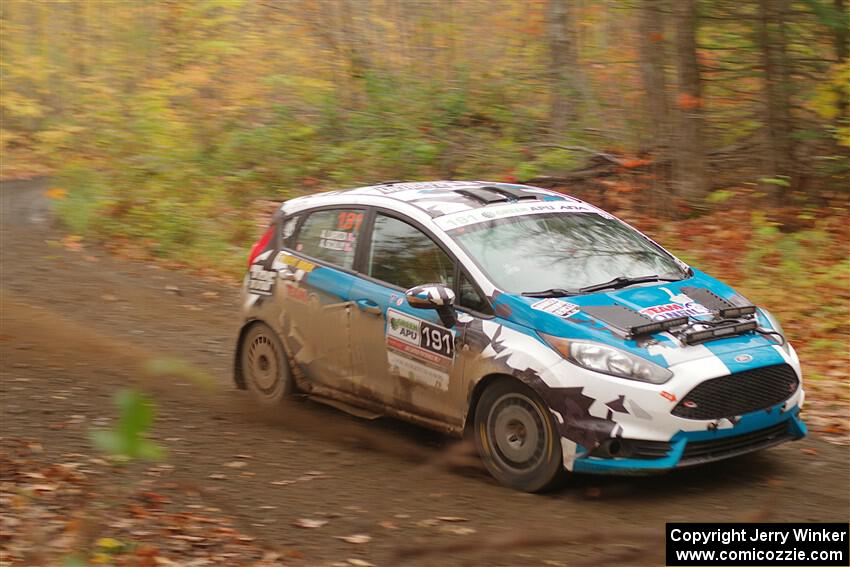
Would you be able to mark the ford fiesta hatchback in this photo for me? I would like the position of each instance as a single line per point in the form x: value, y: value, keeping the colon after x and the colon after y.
x: 558, y: 337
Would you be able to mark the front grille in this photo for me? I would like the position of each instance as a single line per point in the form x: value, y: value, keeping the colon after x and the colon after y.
x: 697, y: 452
x: 739, y: 393
x: 650, y: 449
x: 631, y: 449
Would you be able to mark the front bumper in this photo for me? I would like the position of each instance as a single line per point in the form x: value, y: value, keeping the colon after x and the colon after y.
x: 753, y: 432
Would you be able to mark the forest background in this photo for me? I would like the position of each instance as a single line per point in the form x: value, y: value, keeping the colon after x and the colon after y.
x: 720, y: 127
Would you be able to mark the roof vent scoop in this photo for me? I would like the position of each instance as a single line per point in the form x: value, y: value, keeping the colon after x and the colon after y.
x: 488, y: 195
x: 482, y: 195
x: 514, y: 194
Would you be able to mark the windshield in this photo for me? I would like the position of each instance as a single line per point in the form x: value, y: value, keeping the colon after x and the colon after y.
x: 539, y: 252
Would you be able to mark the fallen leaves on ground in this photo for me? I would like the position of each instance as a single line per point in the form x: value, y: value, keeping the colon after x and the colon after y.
x: 355, y: 538
x: 55, y: 514
x: 308, y: 523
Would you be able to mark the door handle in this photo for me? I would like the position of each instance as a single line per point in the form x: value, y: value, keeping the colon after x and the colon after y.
x: 369, y: 306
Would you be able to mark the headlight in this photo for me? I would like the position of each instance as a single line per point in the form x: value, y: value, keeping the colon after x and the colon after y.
x: 608, y: 360
x: 774, y: 325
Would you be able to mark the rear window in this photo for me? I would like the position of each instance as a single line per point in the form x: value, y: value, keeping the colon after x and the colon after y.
x: 331, y: 235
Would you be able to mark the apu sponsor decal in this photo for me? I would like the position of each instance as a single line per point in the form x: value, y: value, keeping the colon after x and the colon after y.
x: 403, y: 327
x: 556, y: 307
x: 466, y: 218
x: 419, y: 350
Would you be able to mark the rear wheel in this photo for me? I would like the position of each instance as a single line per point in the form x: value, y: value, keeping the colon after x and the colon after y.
x: 265, y: 366
x: 516, y: 438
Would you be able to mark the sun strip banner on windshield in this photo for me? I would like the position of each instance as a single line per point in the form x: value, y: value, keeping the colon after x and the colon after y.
x: 495, y: 212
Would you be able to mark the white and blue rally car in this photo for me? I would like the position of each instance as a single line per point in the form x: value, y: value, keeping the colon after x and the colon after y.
x: 555, y: 335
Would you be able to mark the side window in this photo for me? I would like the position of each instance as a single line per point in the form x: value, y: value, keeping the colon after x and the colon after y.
x: 471, y: 299
x: 287, y: 229
x: 403, y: 255
x: 330, y: 236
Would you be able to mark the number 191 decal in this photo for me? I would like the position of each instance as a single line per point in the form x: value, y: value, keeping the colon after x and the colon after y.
x: 436, y: 339
x: 419, y: 350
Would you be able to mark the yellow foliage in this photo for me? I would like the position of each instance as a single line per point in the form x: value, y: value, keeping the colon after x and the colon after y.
x: 19, y: 105
x: 109, y: 543
x: 100, y: 558
x: 56, y: 193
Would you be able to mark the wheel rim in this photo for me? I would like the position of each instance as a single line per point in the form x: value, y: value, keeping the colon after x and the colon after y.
x: 263, y: 366
x: 516, y: 432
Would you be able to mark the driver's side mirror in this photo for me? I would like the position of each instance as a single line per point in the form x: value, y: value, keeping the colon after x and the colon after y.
x: 433, y: 296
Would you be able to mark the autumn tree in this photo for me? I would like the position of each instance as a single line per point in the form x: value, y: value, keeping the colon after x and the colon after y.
x: 562, y: 63
x: 779, y: 162
x: 690, y: 176
x: 653, y: 63
x: 841, y: 32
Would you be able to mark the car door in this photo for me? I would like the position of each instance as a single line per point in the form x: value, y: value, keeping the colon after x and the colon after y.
x: 404, y: 357
x: 316, y: 277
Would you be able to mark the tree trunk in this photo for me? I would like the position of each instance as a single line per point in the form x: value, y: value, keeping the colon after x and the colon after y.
x: 562, y: 58
x: 690, y: 176
x: 842, y: 53
x: 652, y: 66
x: 779, y: 161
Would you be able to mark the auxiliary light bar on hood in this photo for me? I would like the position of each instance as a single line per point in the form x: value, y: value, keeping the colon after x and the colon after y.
x: 630, y: 323
x: 719, y: 332
x: 723, y: 307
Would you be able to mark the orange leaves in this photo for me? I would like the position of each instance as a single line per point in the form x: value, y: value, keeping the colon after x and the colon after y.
x: 687, y: 101
x: 634, y: 163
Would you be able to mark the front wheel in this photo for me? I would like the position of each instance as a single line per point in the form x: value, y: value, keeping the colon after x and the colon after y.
x: 265, y: 365
x: 515, y: 436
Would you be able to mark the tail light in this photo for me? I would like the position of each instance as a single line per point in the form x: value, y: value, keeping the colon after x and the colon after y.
x: 260, y: 245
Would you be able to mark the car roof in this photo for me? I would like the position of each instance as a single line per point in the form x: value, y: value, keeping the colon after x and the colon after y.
x: 436, y: 198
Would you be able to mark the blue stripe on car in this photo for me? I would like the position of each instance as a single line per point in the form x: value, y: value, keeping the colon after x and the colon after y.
x: 748, y: 423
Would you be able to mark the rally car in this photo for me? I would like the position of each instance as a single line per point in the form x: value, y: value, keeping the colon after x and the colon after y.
x: 555, y: 335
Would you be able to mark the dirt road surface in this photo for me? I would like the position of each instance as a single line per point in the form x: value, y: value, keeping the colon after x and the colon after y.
x: 77, y: 325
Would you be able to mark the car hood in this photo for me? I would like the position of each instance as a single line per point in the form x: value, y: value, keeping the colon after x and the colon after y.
x: 566, y: 317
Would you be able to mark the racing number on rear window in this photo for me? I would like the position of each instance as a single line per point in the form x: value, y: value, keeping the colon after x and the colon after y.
x: 349, y: 221
x: 331, y: 236
x: 436, y: 339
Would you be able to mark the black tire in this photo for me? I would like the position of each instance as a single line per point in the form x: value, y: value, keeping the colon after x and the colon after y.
x: 265, y: 366
x: 516, y: 437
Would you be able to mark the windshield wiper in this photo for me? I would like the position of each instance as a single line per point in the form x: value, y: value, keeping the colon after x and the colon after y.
x: 623, y: 281
x: 554, y: 292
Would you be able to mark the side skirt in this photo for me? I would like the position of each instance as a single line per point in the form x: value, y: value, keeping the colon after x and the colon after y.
x: 336, y: 398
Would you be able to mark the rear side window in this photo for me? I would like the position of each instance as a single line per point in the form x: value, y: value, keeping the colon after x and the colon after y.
x: 287, y: 229
x: 331, y: 236
x: 404, y: 256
